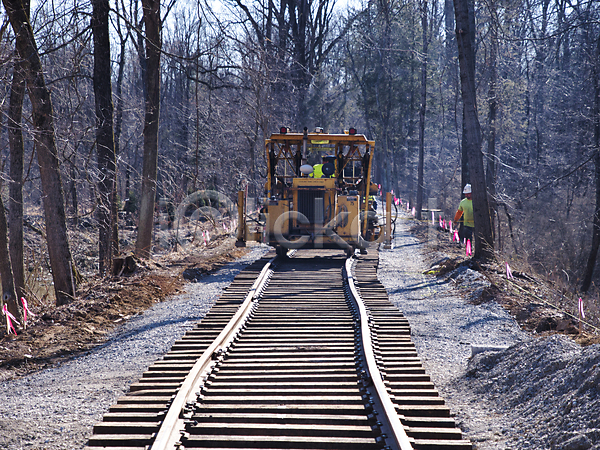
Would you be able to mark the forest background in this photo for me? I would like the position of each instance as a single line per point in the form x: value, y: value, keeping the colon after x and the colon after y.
x: 195, y: 88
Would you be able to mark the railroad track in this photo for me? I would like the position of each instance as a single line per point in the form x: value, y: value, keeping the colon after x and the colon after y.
x: 289, y: 357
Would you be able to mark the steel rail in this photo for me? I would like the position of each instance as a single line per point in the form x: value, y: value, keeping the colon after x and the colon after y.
x: 294, y: 373
x: 290, y: 380
x: 393, y: 430
x: 169, y: 433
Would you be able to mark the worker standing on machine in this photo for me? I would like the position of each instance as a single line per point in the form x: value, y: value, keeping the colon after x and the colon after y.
x: 324, y: 170
x: 317, y: 171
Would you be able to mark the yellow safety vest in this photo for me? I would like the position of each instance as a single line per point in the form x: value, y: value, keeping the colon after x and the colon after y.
x: 317, y: 171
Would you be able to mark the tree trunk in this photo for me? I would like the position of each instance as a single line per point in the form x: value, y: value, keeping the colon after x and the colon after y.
x: 299, y: 11
x: 484, y: 244
x: 422, y: 111
x: 15, y: 197
x: 465, y: 170
x: 8, y: 286
x: 73, y: 194
x: 17, y: 150
x: 43, y: 121
x: 591, y: 262
x: 105, y: 144
x: 449, y: 44
x: 493, y: 106
x: 151, y: 10
x: 118, y: 128
x: 465, y: 176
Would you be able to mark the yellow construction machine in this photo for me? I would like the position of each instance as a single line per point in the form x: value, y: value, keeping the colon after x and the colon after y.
x: 318, y: 193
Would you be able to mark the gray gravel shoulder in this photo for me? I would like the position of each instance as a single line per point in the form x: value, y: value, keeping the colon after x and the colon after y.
x: 55, y: 409
x: 445, y: 326
x: 537, y: 393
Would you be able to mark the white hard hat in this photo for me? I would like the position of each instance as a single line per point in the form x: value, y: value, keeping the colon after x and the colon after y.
x: 306, y: 169
x: 467, y: 189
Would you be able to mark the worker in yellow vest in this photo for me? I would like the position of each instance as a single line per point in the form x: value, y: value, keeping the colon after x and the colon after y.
x: 465, y: 211
x: 317, y: 171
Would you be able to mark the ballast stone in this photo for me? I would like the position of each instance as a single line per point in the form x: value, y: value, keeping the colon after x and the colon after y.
x: 469, y: 278
x: 579, y: 442
x: 551, y: 381
x: 476, y: 349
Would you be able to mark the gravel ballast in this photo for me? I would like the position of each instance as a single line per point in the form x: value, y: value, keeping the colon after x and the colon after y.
x: 535, y: 393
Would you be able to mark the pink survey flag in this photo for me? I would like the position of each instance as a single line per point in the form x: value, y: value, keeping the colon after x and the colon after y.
x: 432, y: 218
x: 509, y: 275
x: 9, y: 316
x: 25, y: 311
x: 468, y: 247
x: 414, y: 211
x: 440, y: 221
x: 455, y: 237
x: 581, y: 313
x: 444, y: 224
x: 450, y: 223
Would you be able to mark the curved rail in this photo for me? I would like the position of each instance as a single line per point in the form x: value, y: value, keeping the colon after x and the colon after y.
x: 391, y: 427
x: 169, y: 433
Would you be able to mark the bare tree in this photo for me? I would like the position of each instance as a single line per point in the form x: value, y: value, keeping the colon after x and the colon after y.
x: 15, y: 138
x: 152, y: 23
x: 484, y: 244
x: 493, y: 110
x: 105, y: 144
x: 422, y: 109
x: 465, y: 172
x: 591, y: 262
x: 43, y: 121
x: 383, y: 73
x: 300, y: 28
x: 8, y: 285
